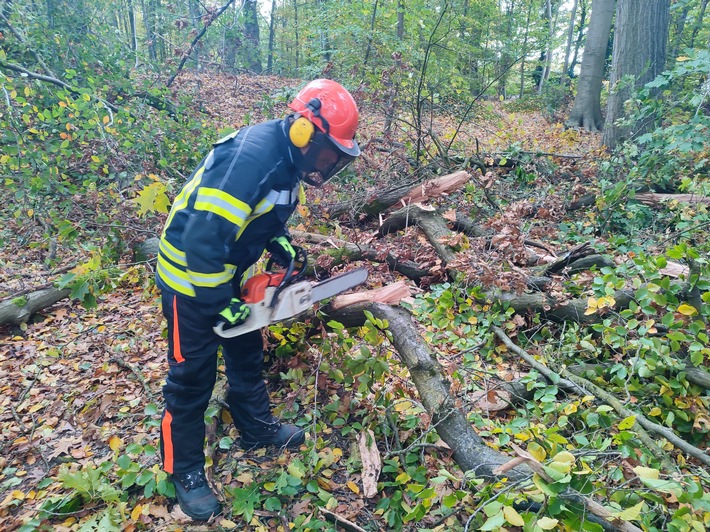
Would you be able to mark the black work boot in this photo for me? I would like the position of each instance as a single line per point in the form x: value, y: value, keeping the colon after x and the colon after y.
x: 273, y: 432
x: 195, y: 496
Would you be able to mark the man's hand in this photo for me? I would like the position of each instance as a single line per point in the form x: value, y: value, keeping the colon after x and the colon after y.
x: 235, y: 314
x: 281, y: 250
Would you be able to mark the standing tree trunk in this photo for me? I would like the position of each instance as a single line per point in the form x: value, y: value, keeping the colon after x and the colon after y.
x: 323, y: 30
x: 587, y: 110
x: 134, y: 31
x: 640, y: 37
x: 676, y: 38
x: 505, y: 59
x: 570, y: 37
x: 580, y: 38
x: 250, y: 49
x: 698, y: 25
x: 548, y: 47
x: 372, y: 33
x: 150, y: 16
x: 400, y: 20
x: 196, y: 23
x: 272, y: 32
x: 295, y: 30
x: 525, y: 51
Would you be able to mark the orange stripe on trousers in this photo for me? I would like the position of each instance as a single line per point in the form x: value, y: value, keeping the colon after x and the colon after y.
x: 167, y: 442
x: 177, y: 353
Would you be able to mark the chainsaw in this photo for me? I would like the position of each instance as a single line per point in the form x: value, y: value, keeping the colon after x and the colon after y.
x: 275, y: 296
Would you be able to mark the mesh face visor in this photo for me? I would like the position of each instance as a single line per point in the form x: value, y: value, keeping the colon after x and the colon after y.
x: 323, y: 160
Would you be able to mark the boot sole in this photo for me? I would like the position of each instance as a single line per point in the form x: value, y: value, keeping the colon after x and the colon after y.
x: 200, y: 517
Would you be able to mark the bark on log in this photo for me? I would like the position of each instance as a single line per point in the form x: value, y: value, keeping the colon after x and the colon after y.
x: 568, y: 258
x: 583, y: 201
x: 408, y: 194
x: 550, y: 308
x: 341, y: 251
x: 697, y: 376
x: 470, y: 451
x: 651, y: 198
x: 12, y: 313
x: 146, y: 251
x: 589, y: 262
x: 468, y: 227
x: 431, y: 223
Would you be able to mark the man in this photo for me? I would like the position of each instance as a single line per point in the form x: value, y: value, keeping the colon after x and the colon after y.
x: 234, y: 206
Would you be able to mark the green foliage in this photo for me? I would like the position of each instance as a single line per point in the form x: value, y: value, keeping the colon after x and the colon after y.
x: 87, y: 486
x: 673, y: 155
x: 568, y: 435
x: 73, y: 154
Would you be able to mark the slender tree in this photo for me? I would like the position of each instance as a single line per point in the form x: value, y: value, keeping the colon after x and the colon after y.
x: 587, y: 111
x: 272, y: 33
x: 250, y: 49
x: 570, y: 37
x: 195, y: 22
x: 580, y: 37
x: 699, y: 24
x: 678, y: 25
x: 640, y: 37
x: 400, y: 19
x: 546, y: 56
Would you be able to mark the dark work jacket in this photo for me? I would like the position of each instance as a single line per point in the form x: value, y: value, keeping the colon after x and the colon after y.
x: 238, y: 198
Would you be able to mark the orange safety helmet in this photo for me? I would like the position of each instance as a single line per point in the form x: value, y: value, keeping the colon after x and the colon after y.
x: 332, y: 109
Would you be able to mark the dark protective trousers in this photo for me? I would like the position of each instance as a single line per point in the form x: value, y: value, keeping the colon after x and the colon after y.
x: 192, y: 359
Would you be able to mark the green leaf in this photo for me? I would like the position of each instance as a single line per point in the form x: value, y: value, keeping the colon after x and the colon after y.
x: 152, y: 199
x: 627, y: 423
x: 495, y: 522
x: 663, y: 486
x: 630, y: 514
x: 547, y: 523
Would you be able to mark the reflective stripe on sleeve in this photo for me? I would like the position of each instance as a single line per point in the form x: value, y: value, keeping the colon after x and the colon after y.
x: 183, y: 197
x: 273, y: 198
x: 222, y: 204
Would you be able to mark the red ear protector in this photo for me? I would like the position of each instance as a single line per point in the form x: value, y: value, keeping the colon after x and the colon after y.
x: 302, y: 129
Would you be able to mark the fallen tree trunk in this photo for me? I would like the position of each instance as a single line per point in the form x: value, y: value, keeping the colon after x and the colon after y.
x: 408, y: 194
x: 651, y: 198
x: 469, y: 451
x: 341, y: 251
x: 552, y: 309
x: 21, y: 309
x: 431, y: 223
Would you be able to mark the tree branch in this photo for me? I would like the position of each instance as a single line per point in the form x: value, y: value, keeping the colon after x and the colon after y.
x: 53, y: 80
x: 196, y: 40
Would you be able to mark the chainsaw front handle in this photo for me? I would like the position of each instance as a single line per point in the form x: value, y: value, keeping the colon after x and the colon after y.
x: 292, y: 274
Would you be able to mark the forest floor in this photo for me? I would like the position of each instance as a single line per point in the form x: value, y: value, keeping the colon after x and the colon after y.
x: 79, y: 386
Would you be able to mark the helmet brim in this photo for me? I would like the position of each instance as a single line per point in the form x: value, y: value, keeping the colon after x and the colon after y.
x: 347, y: 146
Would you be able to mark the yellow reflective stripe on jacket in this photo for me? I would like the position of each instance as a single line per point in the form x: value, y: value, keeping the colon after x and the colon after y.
x: 173, y: 253
x: 183, y: 197
x: 173, y: 277
x: 273, y: 198
x: 223, y: 204
x: 210, y: 280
